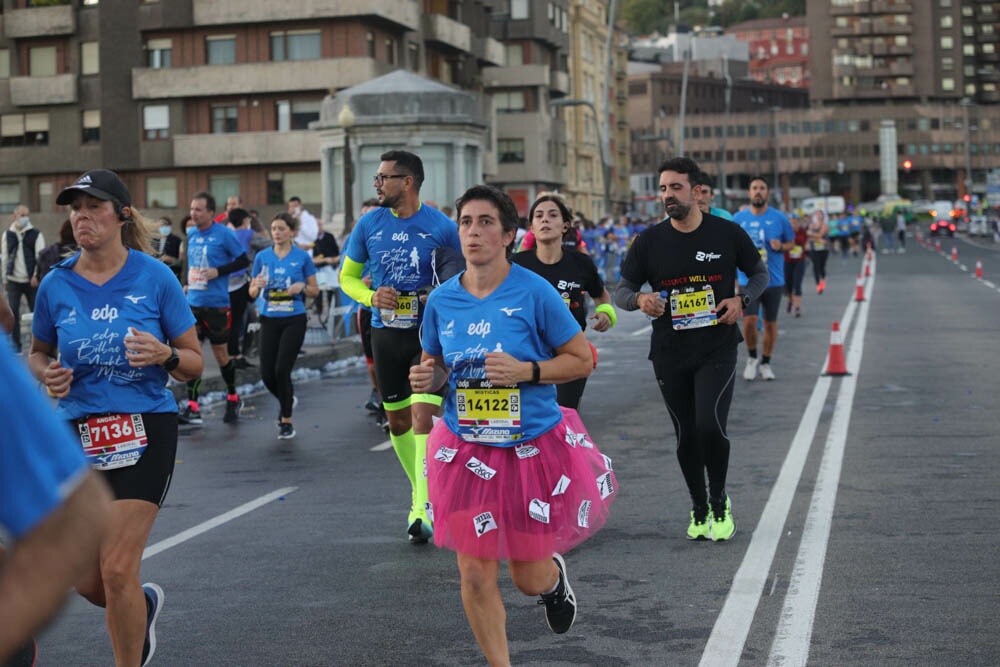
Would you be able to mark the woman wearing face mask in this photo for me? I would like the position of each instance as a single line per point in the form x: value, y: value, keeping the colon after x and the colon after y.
x: 167, y: 246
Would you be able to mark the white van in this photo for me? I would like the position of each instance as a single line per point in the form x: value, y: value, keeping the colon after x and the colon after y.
x: 830, y: 204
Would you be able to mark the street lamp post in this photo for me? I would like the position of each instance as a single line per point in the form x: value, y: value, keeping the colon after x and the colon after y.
x: 346, y: 120
x: 965, y: 103
x: 725, y: 132
x: 602, y: 140
x: 777, y: 153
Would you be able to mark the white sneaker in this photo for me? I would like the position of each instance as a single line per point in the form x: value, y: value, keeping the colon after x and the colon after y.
x: 750, y: 372
x: 766, y: 372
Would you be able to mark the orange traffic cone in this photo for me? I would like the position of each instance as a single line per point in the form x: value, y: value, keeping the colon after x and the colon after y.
x: 868, y: 269
x: 859, y: 289
x: 937, y: 246
x: 836, y: 364
x: 954, y: 253
x: 979, y: 269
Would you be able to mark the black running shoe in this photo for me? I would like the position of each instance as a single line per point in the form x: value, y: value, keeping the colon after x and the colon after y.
x: 233, y: 410
x: 286, y: 431
x: 154, y: 602
x: 189, y: 417
x: 242, y: 364
x: 560, y: 605
x: 374, y: 403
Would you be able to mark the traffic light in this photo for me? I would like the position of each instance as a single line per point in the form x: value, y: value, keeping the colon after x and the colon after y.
x: 907, y: 165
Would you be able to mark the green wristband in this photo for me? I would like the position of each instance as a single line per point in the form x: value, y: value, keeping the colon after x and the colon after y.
x: 608, y: 310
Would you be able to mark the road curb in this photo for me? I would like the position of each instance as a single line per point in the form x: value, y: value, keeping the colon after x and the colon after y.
x: 316, y: 357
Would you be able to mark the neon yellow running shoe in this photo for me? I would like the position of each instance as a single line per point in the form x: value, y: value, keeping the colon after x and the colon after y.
x: 700, y: 527
x: 723, y: 527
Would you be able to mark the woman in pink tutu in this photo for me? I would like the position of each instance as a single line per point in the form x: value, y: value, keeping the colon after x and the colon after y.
x: 512, y: 476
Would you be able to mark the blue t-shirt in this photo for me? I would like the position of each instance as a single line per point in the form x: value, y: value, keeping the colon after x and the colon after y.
x: 720, y: 213
x: 399, y: 250
x: 295, y: 267
x: 212, y: 248
x: 89, y: 324
x: 243, y: 235
x: 526, y: 317
x: 771, y: 224
x: 41, y: 461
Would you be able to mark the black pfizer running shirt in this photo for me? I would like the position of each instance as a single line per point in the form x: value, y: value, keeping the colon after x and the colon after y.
x: 572, y: 275
x: 691, y: 265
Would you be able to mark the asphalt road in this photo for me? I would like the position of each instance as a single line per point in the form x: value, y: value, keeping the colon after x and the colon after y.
x: 866, y: 509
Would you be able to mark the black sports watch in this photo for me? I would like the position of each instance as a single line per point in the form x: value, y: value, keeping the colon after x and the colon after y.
x: 746, y: 299
x: 173, y: 361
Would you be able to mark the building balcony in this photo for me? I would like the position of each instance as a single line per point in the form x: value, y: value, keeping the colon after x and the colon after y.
x: 897, y: 50
x: 858, y: 7
x: 403, y: 14
x: 245, y: 148
x: 517, y: 77
x: 891, y: 7
x: 891, y: 28
x: 29, y: 91
x: 39, y: 22
x: 448, y: 32
x: 265, y: 77
x: 559, y: 85
x: 489, y: 51
x: 858, y: 92
x: 904, y: 68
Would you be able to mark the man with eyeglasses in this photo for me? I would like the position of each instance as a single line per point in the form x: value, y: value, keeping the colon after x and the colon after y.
x: 398, y: 240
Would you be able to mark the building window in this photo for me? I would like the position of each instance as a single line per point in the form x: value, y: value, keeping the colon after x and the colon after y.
x: 42, y: 61
x: 45, y: 198
x: 10, y: 197
x: 24, y: 129
x: 390, y: 51
x: 36, y: 129
x: 224, y: 119
x: 156, y: 121
x: 414, y: 56
x: 303, y: 113
x: 947, y: 64
x: 519, y: 9
x: 91, y: 126
x: 947, y: 83
x: 296, y: 45
x: 161, y: 192
x: 510, y: 101
x: 159, y: 53
x: 969, y: 49
x: 224, y: 186
x: 220, y: 50
x: 514, y: 55
x: 947, y: 42
x: 510, y: 150
x: 946, y: 21
x: 370, y: 44
x: 4, y: 64
x: 306, y: 185
x: 90, y: 58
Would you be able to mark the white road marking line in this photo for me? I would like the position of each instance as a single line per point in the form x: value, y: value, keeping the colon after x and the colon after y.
x: 644, y: 330
x: 794, y: 633
x: 382, y: 447
x: 726, y: 642
x: 206, y: 526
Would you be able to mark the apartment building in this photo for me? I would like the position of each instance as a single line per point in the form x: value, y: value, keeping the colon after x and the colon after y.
x: 931, y: 67
x: 779, y: 49
x: 187, y: 95
x: 597, y: 137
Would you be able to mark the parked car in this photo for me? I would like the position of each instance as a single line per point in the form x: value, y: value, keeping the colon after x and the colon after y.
x: 979, y: 226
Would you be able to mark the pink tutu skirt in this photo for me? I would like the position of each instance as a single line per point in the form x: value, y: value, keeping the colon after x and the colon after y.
x: 522, y: 503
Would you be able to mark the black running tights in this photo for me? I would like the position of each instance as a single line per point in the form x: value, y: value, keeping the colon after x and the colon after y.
x: 698, y: 399
x: 281, y: 339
